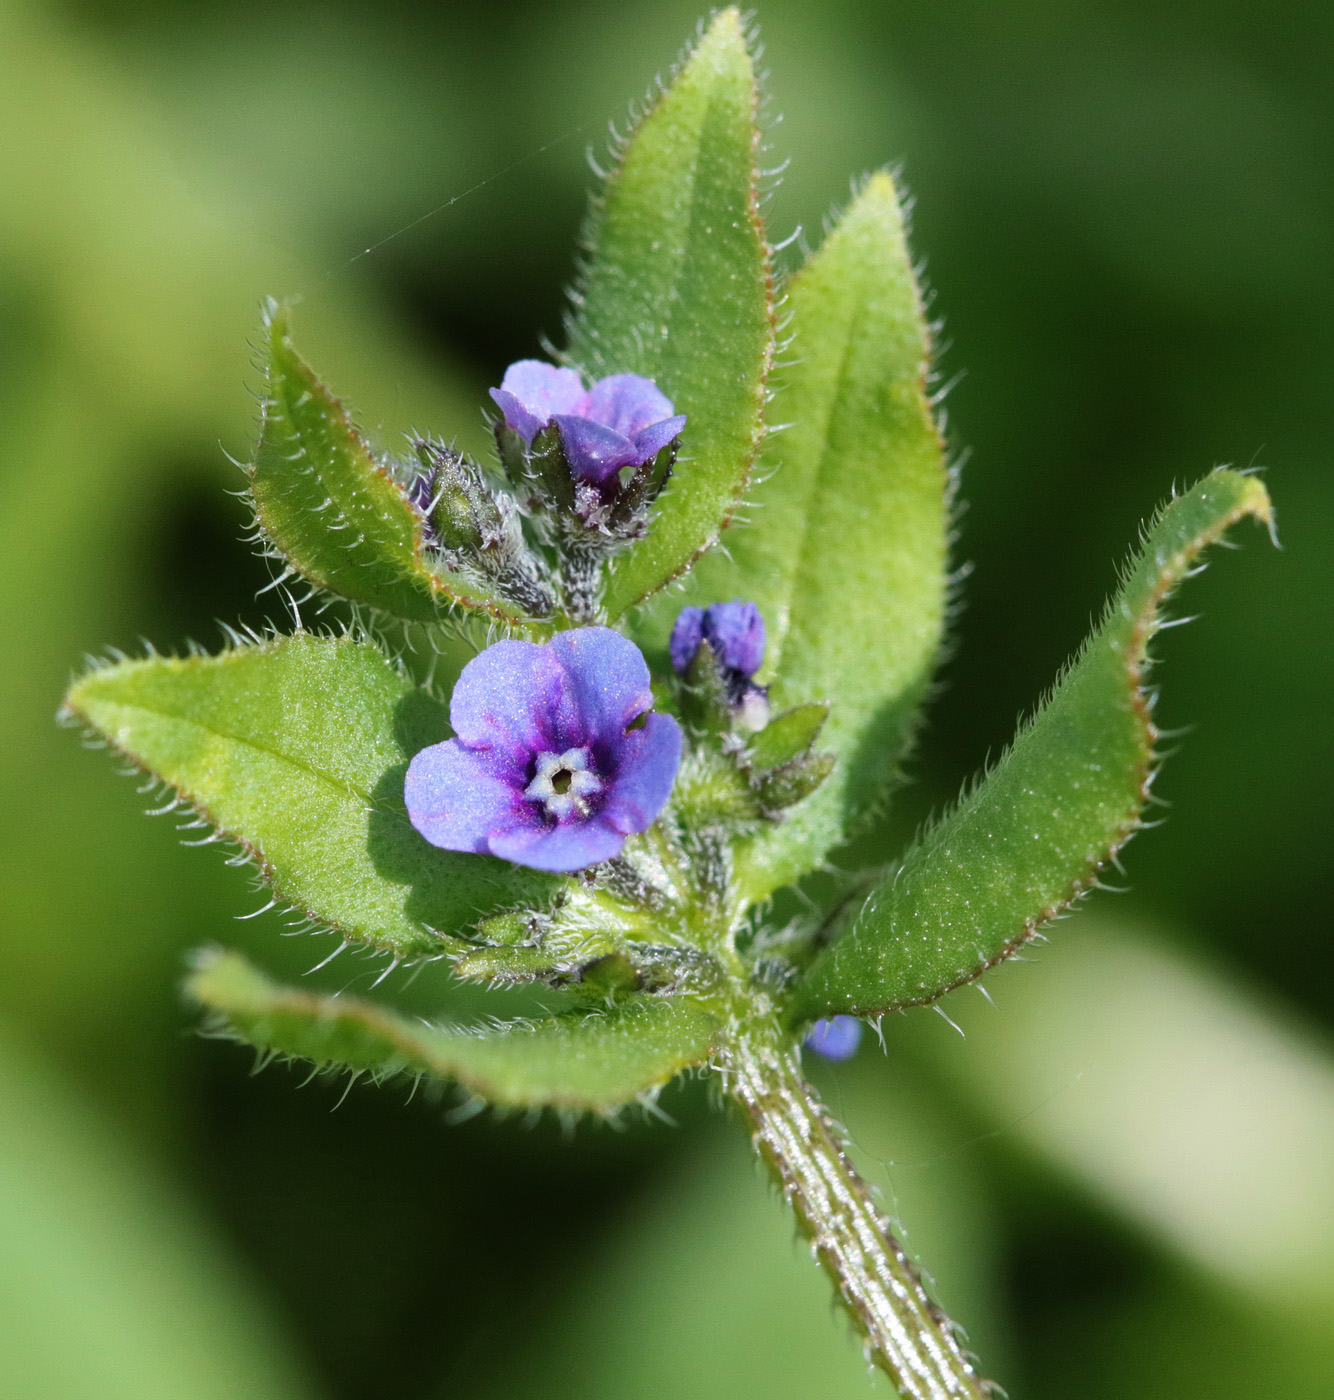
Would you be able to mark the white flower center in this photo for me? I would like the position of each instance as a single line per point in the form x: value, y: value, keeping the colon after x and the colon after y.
x: 563, y: 783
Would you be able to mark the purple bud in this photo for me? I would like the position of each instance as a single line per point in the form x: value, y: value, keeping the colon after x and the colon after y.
x: 836, y: 1038
x: 622, y: 421
x: 548, y: 768
x: 734, y: 630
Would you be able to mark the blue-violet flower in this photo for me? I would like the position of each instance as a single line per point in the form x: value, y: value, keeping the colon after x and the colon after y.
x: 622, y: 421
x: 836, y: 1038
x: 549, y: 767
x: 734, y: 631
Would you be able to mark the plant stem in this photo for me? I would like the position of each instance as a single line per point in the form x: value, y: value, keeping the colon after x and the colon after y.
x: 906, y: 1334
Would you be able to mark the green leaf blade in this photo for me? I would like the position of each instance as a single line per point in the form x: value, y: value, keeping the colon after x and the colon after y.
x: 329, y: 508
x: 296, y: 749
x: 595, y: 1061
x: 1031, y: 837
x: 847, y: 557
x: 677, y: 288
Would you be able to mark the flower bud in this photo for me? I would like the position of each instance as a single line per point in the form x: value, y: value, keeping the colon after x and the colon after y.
x: 476, y: 524
x: 731, y: 637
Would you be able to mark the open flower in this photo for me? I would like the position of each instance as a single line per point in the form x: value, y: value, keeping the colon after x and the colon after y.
x: 622, y: 421
x: 557, y: 757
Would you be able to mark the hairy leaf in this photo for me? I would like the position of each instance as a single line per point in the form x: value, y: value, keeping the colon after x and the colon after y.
x: 296, y: 749
x: 332, y: 511
x: 847, y: 553
x: 595, y: 1060
x: 677, y: 287
x: 1033, y: 834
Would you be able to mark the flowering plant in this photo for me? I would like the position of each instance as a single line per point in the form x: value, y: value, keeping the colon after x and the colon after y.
x: 653, y: 736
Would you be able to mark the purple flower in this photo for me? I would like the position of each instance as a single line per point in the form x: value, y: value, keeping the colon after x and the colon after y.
x: 836, y: 1038
x: 622, y: 421
x: 734, y: 630
x: 550, y: 768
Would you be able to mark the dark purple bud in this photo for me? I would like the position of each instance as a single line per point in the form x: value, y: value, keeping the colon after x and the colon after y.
x: 735, y: 632
x: 836, y: 1038
x: 624, y: 420
x: 549, y: 768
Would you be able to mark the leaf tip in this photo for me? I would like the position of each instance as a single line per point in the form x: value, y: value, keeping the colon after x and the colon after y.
x: 726, y: 40
x: 880, y: 186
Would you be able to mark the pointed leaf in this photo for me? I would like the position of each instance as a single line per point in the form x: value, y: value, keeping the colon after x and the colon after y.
x: 594, y: 1060
x: 332, y: 511
x: 677, y: 287
x: 296, y: 749
x: 847, y: 554
x: 1033, y: 834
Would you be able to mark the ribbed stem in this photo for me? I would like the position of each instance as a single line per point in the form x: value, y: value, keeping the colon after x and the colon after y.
x: 907, y: 1335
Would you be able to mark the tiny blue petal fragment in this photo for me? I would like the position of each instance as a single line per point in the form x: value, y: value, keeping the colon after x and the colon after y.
x: 836, y: 1038
x: 734, y: 630
x: 622, y: 421
x: 545, y: 769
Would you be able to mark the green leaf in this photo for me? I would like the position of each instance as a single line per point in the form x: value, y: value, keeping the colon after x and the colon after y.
x: 332, y: 511
x: 1031, y: 837
x: 596, y: 1060
x: 677, y: 287
x: 296, y: 749
x: 847, y: 554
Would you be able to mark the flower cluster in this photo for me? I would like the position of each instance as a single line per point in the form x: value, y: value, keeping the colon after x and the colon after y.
x: 565, y: 450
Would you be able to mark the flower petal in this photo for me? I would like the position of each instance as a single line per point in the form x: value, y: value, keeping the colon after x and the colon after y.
x: 651, y: 440
x: 515, y: 698
x: 687, y: 638
x: 608, y: 679
x: 458, y: 797
x: 735, y: 630
x: 594, y: 452
x: 526, y: 424
x: 649, y: 758
x: 569, y: 846
x: 532, y: 391
x: 627, y: 403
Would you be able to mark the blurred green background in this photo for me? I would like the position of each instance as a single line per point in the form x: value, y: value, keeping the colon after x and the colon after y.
x: 1122, y: 1179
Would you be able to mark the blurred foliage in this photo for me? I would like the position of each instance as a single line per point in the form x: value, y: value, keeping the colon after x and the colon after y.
x: 1127, y: 214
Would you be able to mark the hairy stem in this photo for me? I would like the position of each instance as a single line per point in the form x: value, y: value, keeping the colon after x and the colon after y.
x: 907, y: 1335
